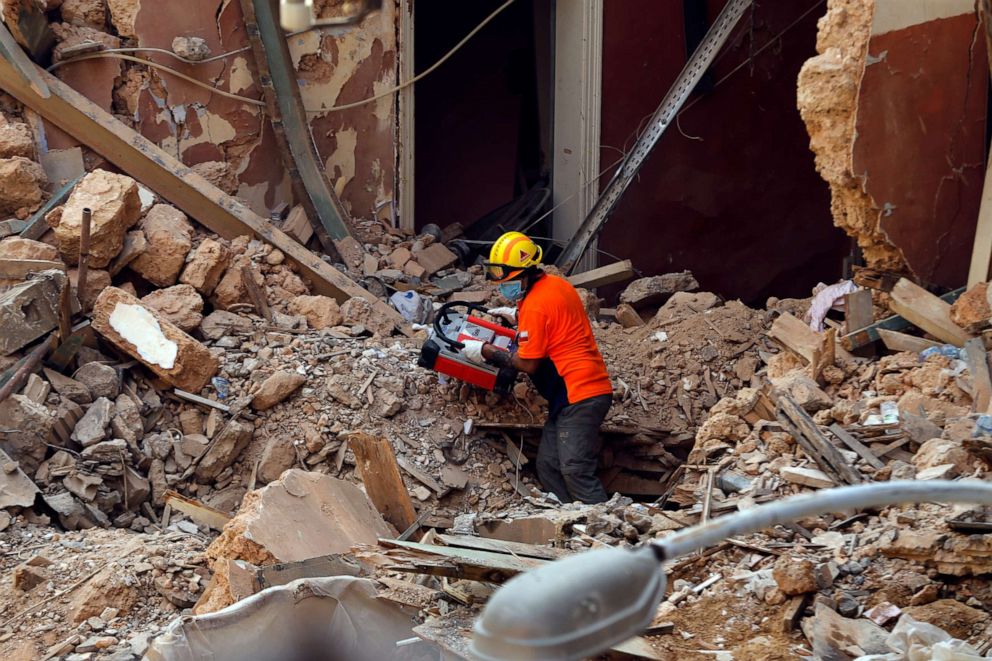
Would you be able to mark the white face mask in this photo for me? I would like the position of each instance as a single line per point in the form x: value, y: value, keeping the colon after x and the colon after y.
x: 512, y: 291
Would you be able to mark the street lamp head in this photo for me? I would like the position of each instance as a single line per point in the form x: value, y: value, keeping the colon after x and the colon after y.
x: 573, y: 608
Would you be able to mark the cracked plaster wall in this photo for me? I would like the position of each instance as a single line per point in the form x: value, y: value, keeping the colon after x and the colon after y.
x: 895, y: 106
x: 197, y: 125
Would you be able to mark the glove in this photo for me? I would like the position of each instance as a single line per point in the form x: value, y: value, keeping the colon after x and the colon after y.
x: 473, y: 351
x: 510, y: 314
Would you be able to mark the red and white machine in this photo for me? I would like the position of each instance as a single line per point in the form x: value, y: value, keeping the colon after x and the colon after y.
x: 442, y: 352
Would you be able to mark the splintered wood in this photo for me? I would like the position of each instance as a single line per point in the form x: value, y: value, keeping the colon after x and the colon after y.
x: 376, y: 462
x: 818, y: 349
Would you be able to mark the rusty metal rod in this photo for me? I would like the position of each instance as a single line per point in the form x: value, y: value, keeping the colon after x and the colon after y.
x: 30, y: 364
x: 84, y: 253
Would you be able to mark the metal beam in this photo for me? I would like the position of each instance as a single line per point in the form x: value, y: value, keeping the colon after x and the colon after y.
x: 676, y: 97
x: 174, y: 181
x: 284, y: 103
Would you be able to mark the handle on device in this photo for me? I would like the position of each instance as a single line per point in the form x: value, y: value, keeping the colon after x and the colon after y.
x: 442, y: 316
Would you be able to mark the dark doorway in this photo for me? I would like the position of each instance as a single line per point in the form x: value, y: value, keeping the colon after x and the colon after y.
x: 482, y: 134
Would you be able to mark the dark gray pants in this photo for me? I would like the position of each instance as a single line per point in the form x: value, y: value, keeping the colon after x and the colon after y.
x: 569, y: 452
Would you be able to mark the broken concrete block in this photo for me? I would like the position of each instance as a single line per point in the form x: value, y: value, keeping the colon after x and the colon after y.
x: 15, y: 139
x: 399, y: 257
x: 646, y: 292
x: 231, y: 290
x: 180, y: 304
x: 137, y: 489
x: 72, y: 514
x: 972, y: 311
x: 36, y: 389
x: 415, y: 270
x: 157, y: 482
x: 16, y: 488
x: 127, y: 422
x: 941, y: 472
x: 804, y: 391
x: 101, y: 380
x: 219, y: 323
x: 320, y: 311
x: 105, y: 451
x: 435, y: 257
x: 123, y: 15
x: 14, y: 247
x: 27, y: 577
x: 278, y: 456
x: 68, y: 388
x: 147, y: 336
x: 328, y: 516
x: 21, y: 186
x: 941, y: 451
x: 794, y: 576
x: 170, y: 238
x: 360, y: 311
x: 807, y: 477
x: 92, y: 427
x: 627, y: 316
x: 29, y: 310
x: 29, y: 427
x: 206, y: 266
x: 389, y: 404
x: 114, y: 200
x: 82, y: 485
x: 96, y: 281
x: 226, y: 448
x: 191, y: 48
x: 276, y: 388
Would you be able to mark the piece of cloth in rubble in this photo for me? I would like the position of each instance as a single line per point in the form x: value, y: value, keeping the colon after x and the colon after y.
x: 826, y: 298
x: 568, y: 455
x: 339, y: 617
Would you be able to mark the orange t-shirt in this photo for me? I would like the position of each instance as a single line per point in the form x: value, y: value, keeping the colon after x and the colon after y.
x: 552, y: 323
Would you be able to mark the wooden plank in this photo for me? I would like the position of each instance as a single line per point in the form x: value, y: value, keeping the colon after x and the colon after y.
x: 981, y: 252
x: 423, y: 477
x: 858, y: 310
x: 807, y: 477
x: 196, y: 399
x: 792, y: 611
x: 177, y: 183
x: 20, y: 269
x: 896, y: 341
x: 376, y: 463
x: 635, y: 485
x: 467, y: 559
x: 208, y: 516
x: 809, y: 437
x: 817, y: 348
x: 866, y: 336
x: 927, y: 312
x: 502, y: 546
x: 856, y: 445
x: 604, y: 275
x: 978, y: 365
x: 255, y: 293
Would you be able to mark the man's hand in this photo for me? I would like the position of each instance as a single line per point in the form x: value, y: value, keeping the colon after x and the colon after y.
x: 510, y: 314
x: 473, y: 351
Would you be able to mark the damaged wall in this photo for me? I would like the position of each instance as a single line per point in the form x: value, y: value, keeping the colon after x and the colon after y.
x: 230, y: 140
x: 730, y: 192
x: 895, y: 105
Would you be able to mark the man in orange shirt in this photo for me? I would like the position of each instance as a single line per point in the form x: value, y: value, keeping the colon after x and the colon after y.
x: 556, y: 347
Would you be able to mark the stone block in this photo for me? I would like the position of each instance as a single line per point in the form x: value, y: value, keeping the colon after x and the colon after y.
x: 33, y: 425
x: 15, y: 139
x: 170, y: 238
x: 435, y: 257
x: 320, y: 311
x: 206, y: 266
x: 101, y: 380
x: 21, y: 182
x: 361, y: 311
x: 277, y: 388
x: 219, y: 323
x: 226, y: 449
x: 114, y: 200
x: 655, y: 290
x: 14, y: 247
x: 144, y: 334
x: 180, y: 304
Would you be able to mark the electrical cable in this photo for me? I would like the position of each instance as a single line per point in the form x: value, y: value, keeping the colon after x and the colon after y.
x: 832, y: 500
x: 120, y: 53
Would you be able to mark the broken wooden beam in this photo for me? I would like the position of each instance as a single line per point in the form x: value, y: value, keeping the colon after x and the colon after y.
x: 288, y: 118
x: 927, y: 312
x: 456, y: 562
x: 896, y: 341
x: 376, y: 463
x: 197, y: 511
x: 813, y: 442
x: 870, y: 334
x: 175, y: 182
x: 858, y: 310
x: 439, y: 489
x: 817, y: 348
x: 857, y: 446
x: 604, y: 275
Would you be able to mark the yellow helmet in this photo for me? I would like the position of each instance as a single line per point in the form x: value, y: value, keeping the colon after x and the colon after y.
x: 511, y: 255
